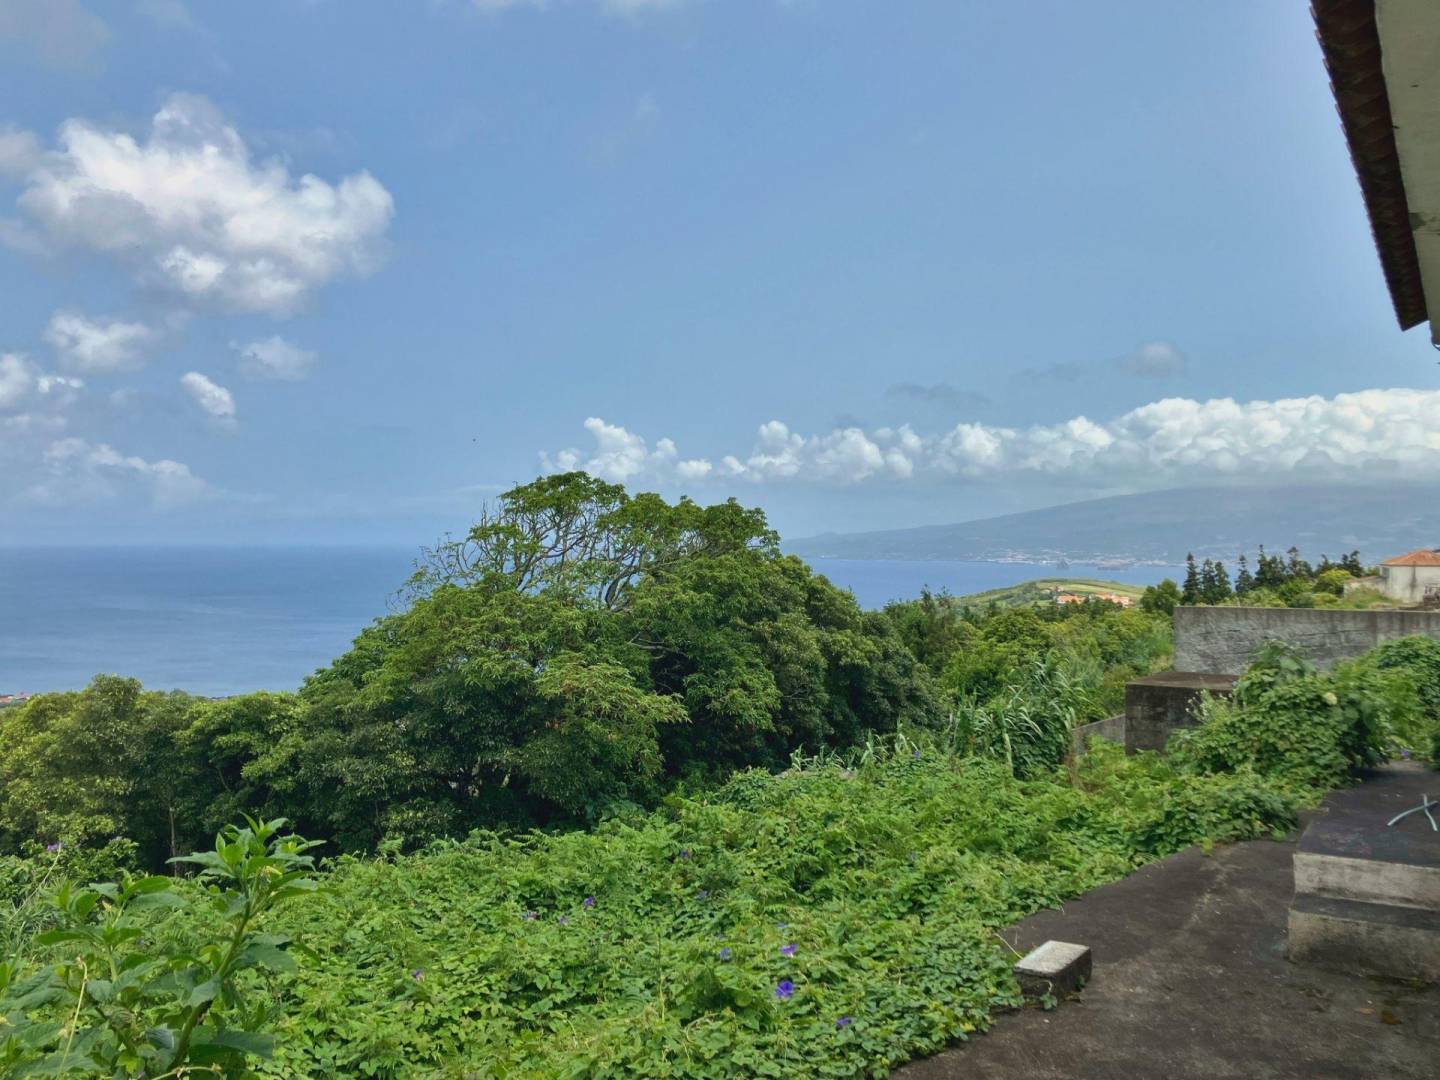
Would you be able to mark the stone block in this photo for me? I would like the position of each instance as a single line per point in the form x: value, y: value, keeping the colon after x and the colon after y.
x: 1056, y: 967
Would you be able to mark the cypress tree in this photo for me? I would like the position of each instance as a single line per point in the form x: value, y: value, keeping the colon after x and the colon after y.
x: 1243, y: 581
x: 1223, y: 591
x: 1190, y: 592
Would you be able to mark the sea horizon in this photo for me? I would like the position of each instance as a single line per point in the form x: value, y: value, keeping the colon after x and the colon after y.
x: 223, y: 619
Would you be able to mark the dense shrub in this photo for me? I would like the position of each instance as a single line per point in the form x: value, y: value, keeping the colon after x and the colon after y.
x: 829, y: 920
x: 1299, y: 726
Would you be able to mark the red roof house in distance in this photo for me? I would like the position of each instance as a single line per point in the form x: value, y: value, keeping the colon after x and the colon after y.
x: 1411, y: 578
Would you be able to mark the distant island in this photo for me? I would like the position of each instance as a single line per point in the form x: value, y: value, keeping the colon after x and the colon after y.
x: 1162, y: 527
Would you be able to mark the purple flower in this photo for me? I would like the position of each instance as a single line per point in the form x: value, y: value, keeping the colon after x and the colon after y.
x: 684, y: 853
x: 418, y: 974
x: 783, y: 989
x: 702, y: 894
x: 589, y: 901
x: 844, y: 1022
x: 789, y: 950
x: 52, y: 848
x: 725, y: 954
x: 1404, y: 753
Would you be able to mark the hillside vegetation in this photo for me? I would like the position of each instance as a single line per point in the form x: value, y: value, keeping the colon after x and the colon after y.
x: 622, y: 792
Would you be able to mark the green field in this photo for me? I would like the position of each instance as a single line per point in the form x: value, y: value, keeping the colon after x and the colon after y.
x: 1042, y: 591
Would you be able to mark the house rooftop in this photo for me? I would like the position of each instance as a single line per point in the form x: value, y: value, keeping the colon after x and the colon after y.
x: 1381, y: 59
x: 1422, y: 557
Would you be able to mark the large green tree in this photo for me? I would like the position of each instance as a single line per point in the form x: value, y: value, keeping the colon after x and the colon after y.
x: 578, y: 648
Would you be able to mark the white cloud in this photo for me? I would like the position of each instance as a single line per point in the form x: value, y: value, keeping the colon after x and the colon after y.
x: 60, y: 34
x: 621, y: 456
x: 1393, y: 433
x: 188, y: 211
x: 74, y: 470
x: 97, y: 346
x: 274, y: 358
x: 212, y: 398
x: 17, y: 380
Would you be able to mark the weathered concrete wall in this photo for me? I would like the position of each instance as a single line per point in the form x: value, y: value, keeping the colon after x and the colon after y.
x: 1157, y: 706
x: 1222, y: 640
x: 1111, y: 728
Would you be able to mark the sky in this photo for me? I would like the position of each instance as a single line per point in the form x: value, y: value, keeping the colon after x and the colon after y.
x: 313, y: 271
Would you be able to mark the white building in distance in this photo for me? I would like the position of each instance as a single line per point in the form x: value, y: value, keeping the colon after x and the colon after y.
x: 1411, y: 578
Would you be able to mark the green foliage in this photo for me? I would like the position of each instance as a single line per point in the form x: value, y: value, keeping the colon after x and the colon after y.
x: 82, y: 767
x: 1288, y: 581
x: 1416, y: 660
x: 27, y: 879
x: 654, y: 945
x: 1300, y: 727
x: 110, y: 1002
x: 1028, y: 724
x: 832, y: 919
x: 1161, y: 599
x: 583, y: 649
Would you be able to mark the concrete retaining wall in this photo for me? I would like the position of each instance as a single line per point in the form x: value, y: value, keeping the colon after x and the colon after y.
x: 1112, y: 728
x: 1221, y: 640
x: 1157, y: 706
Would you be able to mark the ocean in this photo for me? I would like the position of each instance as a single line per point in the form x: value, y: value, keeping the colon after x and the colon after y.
x: 219, y: 621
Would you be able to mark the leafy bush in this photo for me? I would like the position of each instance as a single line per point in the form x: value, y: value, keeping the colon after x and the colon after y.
x: 1298, y: 726
x: 113, y: 1003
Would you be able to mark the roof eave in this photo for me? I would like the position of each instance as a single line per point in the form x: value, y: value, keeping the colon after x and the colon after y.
x: 1350, y: 41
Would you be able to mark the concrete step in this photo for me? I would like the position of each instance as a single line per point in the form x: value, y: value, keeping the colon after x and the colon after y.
x: 1350, y: 853
x: 1383, y: 939
x: 1368, y: 880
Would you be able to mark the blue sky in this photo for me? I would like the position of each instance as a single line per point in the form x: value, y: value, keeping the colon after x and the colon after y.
x: 340, y: 271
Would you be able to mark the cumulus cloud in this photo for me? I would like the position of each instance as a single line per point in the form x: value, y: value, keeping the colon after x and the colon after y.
x: 189, y: 211
x: 97, y: 346
x: 274, y: 358
x: 620, y: 455
x: 61, y: 34
x: 75, y: 470
x: 213, y: 399
x: 1395, y: 433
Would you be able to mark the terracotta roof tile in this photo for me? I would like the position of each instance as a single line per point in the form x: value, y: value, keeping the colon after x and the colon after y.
x: 1423, y: 557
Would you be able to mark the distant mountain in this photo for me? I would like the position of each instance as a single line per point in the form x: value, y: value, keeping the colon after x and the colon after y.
x: 1162, y: 526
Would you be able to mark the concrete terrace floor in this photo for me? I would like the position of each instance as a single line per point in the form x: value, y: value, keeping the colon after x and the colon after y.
x: 1191, y: 981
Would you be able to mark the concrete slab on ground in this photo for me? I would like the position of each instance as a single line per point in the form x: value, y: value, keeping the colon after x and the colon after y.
x: 1191, y: 982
